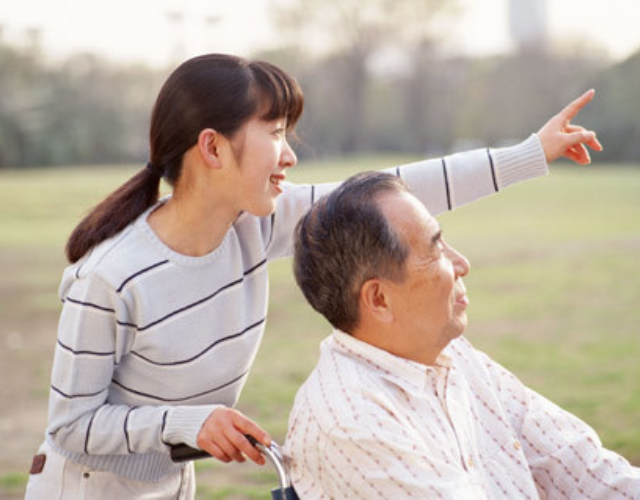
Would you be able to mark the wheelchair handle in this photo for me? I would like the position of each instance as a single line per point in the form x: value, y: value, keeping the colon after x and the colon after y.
x: 184, y: 453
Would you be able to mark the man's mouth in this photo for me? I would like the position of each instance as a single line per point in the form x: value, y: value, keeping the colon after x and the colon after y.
x: 463, y: 300
x: 461, y: 295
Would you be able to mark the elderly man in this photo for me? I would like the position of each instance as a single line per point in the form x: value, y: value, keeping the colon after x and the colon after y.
x: 401, y: 405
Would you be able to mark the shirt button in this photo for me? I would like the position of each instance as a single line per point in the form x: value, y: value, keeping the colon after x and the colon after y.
x: 470, y: 462
x: 516, y: 445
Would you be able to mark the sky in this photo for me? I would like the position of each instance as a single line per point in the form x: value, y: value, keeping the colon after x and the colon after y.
x: 160, y: 32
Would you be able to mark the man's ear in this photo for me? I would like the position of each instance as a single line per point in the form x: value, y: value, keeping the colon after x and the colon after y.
x: 375, y: 301
x: 208, y: 144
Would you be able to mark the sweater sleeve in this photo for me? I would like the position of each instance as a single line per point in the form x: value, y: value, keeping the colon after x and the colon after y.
x: 93, y: 338
x: 453, y: 181
x: 441, y: 184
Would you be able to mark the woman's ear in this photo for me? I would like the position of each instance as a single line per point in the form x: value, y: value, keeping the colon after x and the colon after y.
x: 375, y: 301
x: 208, y: 143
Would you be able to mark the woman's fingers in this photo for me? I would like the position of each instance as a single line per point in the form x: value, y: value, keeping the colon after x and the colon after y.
x: 216, y: 452
x: 559, y: 137
x: 227, y: 443
x: 243, y: 426
x: 576, y: 144
x: 247, y: 426
x: 571, y: 110
x: 244, y: 446
x: 579, y: 154
x: 592, y: 142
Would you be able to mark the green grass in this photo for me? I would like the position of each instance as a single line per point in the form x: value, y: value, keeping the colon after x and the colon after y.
x: 554, y: 289
x: 13, y: 482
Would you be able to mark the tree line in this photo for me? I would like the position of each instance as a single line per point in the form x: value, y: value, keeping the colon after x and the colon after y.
x: 358, y: 98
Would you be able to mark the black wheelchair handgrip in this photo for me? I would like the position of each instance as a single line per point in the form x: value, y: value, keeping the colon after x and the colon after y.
x: 184, y: 453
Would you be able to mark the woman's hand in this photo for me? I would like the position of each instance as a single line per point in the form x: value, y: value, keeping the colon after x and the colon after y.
x: 222, y: 436
x: 559, y: 137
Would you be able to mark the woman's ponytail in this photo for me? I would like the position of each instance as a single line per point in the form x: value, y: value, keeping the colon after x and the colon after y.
x: 114, y: 213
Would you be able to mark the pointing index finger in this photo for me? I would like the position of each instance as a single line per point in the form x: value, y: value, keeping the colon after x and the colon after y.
x: 574, y: 107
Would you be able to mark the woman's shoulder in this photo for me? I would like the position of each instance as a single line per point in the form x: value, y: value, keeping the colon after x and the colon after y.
x: 114, y: 260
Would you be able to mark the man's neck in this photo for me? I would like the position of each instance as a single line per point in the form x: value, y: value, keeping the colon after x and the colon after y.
x: 395, y: 343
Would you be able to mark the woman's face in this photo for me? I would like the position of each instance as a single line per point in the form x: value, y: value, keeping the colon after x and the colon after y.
x: 263, y: 155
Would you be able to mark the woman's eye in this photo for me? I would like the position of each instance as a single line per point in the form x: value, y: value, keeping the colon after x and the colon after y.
x: 279, y: 132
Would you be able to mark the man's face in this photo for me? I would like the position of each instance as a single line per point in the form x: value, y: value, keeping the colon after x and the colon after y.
x: 429, y: 306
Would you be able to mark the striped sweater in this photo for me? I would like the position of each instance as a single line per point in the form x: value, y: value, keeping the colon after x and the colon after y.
x: 151, y: 341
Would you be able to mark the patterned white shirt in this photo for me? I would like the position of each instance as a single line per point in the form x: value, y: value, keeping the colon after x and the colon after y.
x: 367, y: 424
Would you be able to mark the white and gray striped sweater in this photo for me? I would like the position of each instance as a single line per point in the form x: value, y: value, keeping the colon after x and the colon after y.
x: 150, y: 341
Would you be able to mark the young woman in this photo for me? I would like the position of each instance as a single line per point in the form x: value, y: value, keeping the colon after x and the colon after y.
x: 164, y: 303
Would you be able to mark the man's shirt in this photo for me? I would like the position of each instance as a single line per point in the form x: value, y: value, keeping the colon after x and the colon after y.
x: 368, y: 424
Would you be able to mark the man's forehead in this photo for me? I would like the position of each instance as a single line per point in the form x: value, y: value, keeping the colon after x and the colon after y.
x: 433, y: 226
x: 405, y: 212
x: 427, y: 235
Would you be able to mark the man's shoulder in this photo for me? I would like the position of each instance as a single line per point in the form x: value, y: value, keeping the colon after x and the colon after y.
x: 341, y: 389
x: 336, y: 376
x: 464, y: 354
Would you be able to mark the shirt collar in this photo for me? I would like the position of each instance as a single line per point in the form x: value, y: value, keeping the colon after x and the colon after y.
x: 401, y: 371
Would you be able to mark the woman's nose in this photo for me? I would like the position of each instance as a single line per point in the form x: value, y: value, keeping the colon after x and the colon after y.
x: 288, y: 156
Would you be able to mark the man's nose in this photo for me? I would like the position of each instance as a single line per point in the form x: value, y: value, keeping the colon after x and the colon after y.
x: 460, y: 263
x: 288, y: 156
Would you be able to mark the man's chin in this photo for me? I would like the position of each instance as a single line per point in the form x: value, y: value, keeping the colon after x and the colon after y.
x: 460, y: 325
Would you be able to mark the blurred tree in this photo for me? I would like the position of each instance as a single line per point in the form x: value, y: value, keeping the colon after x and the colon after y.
x: 389, y: 88
x: 96, y: 112
x: 435, y: 93
x: 83, y: 111
x: 19, y: 103
x: 517, y: 93
x: 350, y: 32
x: 616, y: 111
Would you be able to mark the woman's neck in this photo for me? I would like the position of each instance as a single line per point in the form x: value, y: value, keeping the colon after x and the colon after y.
x: 190, y: 226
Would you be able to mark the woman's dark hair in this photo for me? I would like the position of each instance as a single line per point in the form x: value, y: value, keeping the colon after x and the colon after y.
x: 215, y: 91
x: 345, y: 240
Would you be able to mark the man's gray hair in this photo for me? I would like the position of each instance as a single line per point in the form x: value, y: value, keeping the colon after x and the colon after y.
x: 345, y: 240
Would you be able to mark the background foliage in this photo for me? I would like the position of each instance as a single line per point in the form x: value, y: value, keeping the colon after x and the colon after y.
x: 381, y: 82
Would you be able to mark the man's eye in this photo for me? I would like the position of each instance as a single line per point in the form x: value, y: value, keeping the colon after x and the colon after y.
x: 279, y: 132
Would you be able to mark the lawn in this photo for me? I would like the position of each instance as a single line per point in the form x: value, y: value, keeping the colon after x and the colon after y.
x: 554, y: 290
